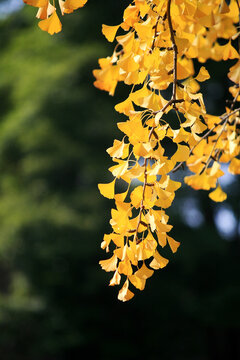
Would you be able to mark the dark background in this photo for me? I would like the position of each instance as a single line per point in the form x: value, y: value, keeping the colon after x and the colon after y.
x: 55, y: 127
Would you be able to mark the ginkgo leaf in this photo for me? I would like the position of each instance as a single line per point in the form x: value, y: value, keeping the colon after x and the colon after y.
x: 198, y: 182
x: 74, y: 4
x: 138, y: 282
x: 120, y: 169
x: 224, y: 8
x: 181, y: 154
x: 119, y: 149
x: 158, y: 117
x: 146, y: 248
x: 158, y: 261
x: 156, y: 168
x: 142, y: 149
x: 107, y: 190
x: 36, y: 3
x: 144, y: 272
x: 234, y: 73
x: 173, y: 185
x: 43, y: 12
x: 52, y: 24
x: 125, y: 267
x: 234, y: 167
x: 173, y: 244
x: 218, y: 195
x: 136, y: 196
x: 125, y: 107
x: 151, y: 221
x: 109, y: 264
x: 110, y: 32
x: 115, y: 279
x: 125, y: 294
x: 203, y: 75
x: 229, y: 52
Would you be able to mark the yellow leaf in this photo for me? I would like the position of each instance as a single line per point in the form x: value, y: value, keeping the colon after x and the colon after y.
x: 198, y: 182
x: 132, y: 253
x: 234, y: 167
x: 125, y: 267
x: 165, y: 197
x: 158, y: 117
x: 136, y: 196
x: 180, y: 135
x: 118, y: 150
x: 45, y: 12
x: 125, y: 294
x: 144, y: 30
x: 234, y: 73
x: 185, y: 68
x: 107, y: 190
x: 173, y: 244
x: 159, y: 261
x: 52, y: 24
x: 125, y: 107
x: 162, y: 238
x: 107, y: 76
x: 181, y: 154
x: 173, y: 185
x: 142, y: 149
x: 36, y: 3
x: 203, y: 74
x: 74, y: 4
x: 146, y: 248
x: 138, y: 282
x: 218, y: 195
x: 191, y: 85
x: 144, y: 272
x: 134, y: 130
x: 109, y: 264
x: 229, y: 52
x: 198, y: 127
x: 120, y: 169
x: 110, y: 32
x: 151, y: 221
x: 224, y: 9
x: 115, y: 279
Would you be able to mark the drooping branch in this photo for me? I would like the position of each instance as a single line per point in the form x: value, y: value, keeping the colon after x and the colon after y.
x: 175, y: 52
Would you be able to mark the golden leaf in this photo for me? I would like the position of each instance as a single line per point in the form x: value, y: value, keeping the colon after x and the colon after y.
x: 36, y: 3
x: 107, y: 190
x: 203, y: 75
x: 119, y: 149
x: 110, y: 32
x: 115, y: 279
x: 125, y: 294
x: 218, y: 195
x: 181, y: 154
x: 144, y: 272
x: 109, y: 264
x: 52, y: 24
x: 173, y: 244
x: 158, y: 261
x: 74, y: 4
x: 234, y: 167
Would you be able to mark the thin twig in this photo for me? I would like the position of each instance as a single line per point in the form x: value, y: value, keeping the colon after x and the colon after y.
x: 175, y: 52
x: 224, y: 119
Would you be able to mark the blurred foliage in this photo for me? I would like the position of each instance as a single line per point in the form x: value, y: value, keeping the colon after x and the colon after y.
x: 54, y: 130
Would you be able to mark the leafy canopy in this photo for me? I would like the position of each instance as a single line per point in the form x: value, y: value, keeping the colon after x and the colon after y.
x: 156, y: 45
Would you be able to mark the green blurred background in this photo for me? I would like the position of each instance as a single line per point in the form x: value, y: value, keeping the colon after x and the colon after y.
x: 55, y: 302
